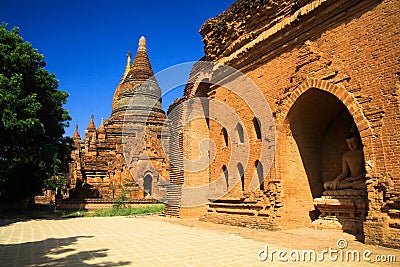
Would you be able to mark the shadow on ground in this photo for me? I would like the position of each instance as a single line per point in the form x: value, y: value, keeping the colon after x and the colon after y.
x: 53, y: 252
x: 37, y: 211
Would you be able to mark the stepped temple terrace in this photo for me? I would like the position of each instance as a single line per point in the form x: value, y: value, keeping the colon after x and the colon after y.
x: 291, y: 119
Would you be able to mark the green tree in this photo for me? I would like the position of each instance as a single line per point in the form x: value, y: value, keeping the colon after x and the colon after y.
x: 32, y: 120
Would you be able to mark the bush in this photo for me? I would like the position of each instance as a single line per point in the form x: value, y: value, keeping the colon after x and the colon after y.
x: 120, y: 203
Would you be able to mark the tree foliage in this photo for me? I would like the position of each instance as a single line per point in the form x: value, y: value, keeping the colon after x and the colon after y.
x: 32, y: 119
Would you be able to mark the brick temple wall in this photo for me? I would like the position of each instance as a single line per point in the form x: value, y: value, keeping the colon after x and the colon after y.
x: 329, y: 67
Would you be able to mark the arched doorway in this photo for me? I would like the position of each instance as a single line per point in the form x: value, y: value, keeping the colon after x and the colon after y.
x: 148, y: 184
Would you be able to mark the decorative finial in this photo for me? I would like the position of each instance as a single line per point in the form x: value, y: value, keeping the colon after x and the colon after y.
x: 128, y: 64
x: 142, y: 43
x: 91, y: 125
x: 76, y: 133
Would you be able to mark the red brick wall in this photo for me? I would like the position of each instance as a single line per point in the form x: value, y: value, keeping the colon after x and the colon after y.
x: 353, y: 56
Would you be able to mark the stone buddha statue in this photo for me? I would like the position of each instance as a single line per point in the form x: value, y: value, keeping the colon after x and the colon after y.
x: 353, y: 168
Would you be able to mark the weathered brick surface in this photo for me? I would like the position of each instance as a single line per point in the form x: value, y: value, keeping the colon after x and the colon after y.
x: 324, y: 67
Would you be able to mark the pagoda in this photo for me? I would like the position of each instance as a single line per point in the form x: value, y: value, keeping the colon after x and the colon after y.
x: 125, y: 154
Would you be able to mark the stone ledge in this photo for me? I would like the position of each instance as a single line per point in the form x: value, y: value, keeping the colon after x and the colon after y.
x: 264, y: 222
x: 345, y: 192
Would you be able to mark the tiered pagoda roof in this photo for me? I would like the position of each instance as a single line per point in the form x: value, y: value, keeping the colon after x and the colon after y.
x: 138, y: 90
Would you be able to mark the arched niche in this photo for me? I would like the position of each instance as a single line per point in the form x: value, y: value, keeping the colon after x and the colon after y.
x: 224, y: 134
x: 319, y: 123
x: 241, y: 175
x: 260, y: 174
x: 226, y: 176
x: 201, y: 92
x: 148, y: 184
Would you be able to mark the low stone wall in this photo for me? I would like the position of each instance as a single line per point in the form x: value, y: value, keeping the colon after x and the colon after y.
x: 259, y: 209
x: 93, y: 204
x: 240, y: 220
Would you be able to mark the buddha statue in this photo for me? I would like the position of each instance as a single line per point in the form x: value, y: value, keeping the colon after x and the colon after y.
x: 353, y: 167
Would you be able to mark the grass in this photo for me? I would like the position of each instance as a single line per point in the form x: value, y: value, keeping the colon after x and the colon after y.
x: 126, y: 211
x: 73, y: 214
x: 129, y: 211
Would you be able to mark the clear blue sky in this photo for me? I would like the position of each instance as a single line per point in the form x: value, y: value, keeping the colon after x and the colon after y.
x: 85, y: 42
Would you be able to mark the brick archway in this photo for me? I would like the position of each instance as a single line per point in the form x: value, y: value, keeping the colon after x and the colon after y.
x: 341, y: 93
x: 314, y: 119
x: 355, y: 110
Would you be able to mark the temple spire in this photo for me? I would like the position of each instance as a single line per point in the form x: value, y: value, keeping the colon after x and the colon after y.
x: 128, y: 64
x: 101, y: 124
x: 76, y: 133
x: 139, y: 72
x: 91, y: 126
x: 140, y: 69
x: 142, y: 44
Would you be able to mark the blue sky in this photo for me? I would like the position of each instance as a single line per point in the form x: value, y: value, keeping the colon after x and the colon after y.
x: 85, y: 43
